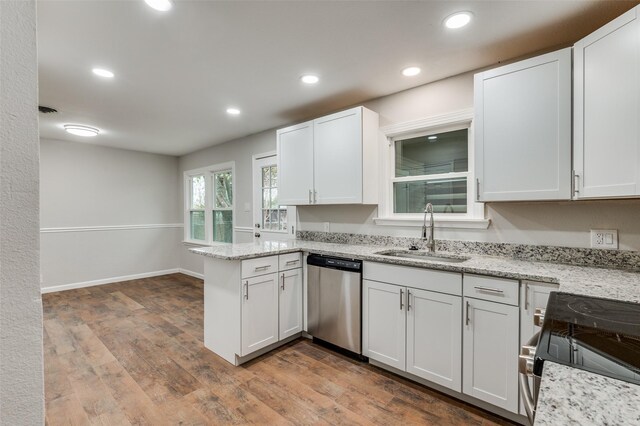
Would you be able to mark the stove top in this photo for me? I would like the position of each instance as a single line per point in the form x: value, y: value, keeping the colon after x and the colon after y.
x: 597, y: 335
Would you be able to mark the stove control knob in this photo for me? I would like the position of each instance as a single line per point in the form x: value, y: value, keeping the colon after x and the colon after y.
x: 525, y: 364
x: 538, y: 317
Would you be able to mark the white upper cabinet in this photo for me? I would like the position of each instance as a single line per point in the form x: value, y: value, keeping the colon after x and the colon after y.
x: 295, y: 164
x: 522, y: 130
x: 330, y: 160
x: 607, y: 110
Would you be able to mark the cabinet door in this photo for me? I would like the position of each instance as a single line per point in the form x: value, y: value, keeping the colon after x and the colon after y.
x: 337, y: 151
x: 490, y: 353
x: 290, y: 302
x: 259, y: 312
x: 295, y: 164
x: 384, y: 323
x: 523, y: 129
x: 606, y: 110
x: 434, y: 337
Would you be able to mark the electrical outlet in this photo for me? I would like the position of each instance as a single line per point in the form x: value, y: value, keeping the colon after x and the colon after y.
x: 326, y: 227
x: 604, y: 238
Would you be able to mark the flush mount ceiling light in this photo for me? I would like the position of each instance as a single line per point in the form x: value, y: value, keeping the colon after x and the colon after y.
x: 457, y: 20
x: 102, y: 72
x: 233, y: 111
x: 310, y: 79
x: 411, y: 71
x: 161, y: 5
x: 80, y: 130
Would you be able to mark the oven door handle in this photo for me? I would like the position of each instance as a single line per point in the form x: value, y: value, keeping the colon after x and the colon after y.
x: 525, y: 358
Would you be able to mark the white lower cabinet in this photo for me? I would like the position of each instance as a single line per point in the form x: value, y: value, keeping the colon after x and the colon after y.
x: 290, y: 302
x: 259, y: 312
x: 434, y: 344
x: 384, y: 323
x: 491, y: 342
x: 414, y: 330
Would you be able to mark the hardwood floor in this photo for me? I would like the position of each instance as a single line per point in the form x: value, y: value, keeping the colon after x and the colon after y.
x: 132, y: 353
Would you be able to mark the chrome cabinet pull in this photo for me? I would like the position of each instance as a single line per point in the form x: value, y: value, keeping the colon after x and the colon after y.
x: 292, y: 262
x: 246, y: 290
x: 477, y: 189
x: 489, y: 289
x: 282, y: 282
x: 401, y: 299
x: 262, y: 268
x: 408, y: 300
x: 466, y: 321
x: 310, y: 199
x: 526, y: 296
x: 576, y: 183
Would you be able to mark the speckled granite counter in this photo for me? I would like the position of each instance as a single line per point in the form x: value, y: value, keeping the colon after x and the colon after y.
x: 567, y: 396
x: 596, y: 282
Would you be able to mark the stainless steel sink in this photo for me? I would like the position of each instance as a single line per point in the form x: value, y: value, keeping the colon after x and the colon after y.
x: 423, y: 255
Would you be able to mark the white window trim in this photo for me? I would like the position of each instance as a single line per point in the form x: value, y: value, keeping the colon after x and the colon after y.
x: 473, y: 219
x: 208, y: 172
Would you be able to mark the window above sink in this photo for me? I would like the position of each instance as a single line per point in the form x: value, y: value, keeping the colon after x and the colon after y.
x: 427, y: 161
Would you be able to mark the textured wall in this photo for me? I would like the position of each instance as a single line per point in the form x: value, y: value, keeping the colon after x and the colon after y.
x: 21, y: 379
x: 85, y: 185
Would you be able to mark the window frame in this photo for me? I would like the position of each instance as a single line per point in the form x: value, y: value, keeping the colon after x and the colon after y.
x: 473, y: 218
x: 208, y: 173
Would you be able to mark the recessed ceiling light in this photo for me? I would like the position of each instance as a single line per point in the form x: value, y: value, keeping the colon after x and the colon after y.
x: 310, y: 79
x: 102, y: 72
x: 411, y: 71
x: 432, y: 138
x: 80, y: 130
x: 233, y: 111
x: 161, y: 5
x: 457, y: 20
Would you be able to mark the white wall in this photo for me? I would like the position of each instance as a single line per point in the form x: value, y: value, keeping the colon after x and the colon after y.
x: 86, y: 191
x: 21, y: 372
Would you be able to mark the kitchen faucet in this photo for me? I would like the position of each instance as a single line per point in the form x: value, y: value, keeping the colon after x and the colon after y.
x: 431, y: 242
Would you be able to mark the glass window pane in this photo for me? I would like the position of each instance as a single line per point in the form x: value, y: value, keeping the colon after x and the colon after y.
x: 275, y: 222
x: 197, y: 226
x: 432, y: 154
x: 197, y: 192
x: 266, y: 199
x: 283, y: 219
x: 223, y: 190
x: 446, y: 195
x: 274, y: 198
x: 266, y: 223
x: 223, y: 226
x: 274, y: 176
x: 265, y: 177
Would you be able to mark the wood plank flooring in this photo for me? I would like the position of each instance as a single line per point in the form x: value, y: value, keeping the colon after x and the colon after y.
x: 132, y: 353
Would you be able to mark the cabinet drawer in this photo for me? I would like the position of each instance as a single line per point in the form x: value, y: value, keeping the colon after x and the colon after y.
x: 502, y: 290
x: 424, y: 279
x: 259, y: 266
x: 290, y: 261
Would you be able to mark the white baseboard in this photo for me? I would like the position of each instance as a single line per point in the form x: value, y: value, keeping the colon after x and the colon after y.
x: 191, y: 273
x: 52, y: 289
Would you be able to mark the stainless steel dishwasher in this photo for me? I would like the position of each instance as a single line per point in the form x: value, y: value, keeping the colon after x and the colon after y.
x: 334, y: 302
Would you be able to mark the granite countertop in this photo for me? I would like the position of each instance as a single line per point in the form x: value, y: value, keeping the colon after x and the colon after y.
x: 596, y: 282
x: 567, y: 395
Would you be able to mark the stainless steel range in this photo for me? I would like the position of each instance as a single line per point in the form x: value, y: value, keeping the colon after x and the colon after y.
x: 597, y: 335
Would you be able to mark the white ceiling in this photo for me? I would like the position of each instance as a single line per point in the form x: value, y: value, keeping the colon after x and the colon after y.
x: 177, y: 72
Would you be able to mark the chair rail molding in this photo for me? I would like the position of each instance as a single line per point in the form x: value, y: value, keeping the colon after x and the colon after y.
x: 110, y: 228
